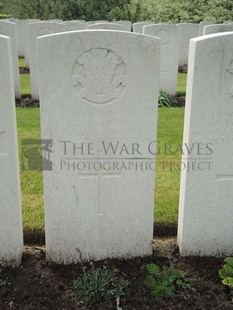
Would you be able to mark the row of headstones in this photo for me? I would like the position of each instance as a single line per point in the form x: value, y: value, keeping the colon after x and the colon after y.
x: 95, y: 91
x: 175, y: 43
x: 174, y: 48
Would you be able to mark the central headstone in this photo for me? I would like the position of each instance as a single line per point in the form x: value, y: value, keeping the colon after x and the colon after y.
x: 98, y: 92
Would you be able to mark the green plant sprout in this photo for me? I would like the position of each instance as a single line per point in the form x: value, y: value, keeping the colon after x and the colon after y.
x: 226, y: 273
x: 99, y: 285
x: 163, y: 282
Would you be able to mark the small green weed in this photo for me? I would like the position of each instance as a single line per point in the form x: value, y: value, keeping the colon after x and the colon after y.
x: 99, y: 285
x: 226, y: 273
x: 163, y: 282
x: 164, y: 99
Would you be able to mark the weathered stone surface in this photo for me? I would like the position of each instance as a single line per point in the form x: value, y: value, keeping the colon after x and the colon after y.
x: 169, y: 55
x: 109, y: 26
x: 206, y: 213
x: 36, y: 30
x: 97, y: 88
x: 138, y: 27
x: 11, y: 233
x: 9, y: 29
x: 187, y: 32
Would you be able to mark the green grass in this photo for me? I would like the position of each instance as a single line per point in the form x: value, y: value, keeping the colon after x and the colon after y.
x: 21, y: 62
x: 28, y: 121
x: 170, y: 127
x: 25, y: 85
x: 181, y: 88
x: 170, y: 133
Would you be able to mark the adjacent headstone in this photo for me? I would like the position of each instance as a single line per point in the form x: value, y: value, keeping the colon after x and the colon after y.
x: 21, y: 35
x: 11, y: 236
x: 13, y: 20
x: 78, y: 20
x: 9, y: 29
x: 202, y: 25
x: 28, y: 43
x: 217, y: 28
x: 36, y: 30
x: 25, y: 32
x: 206, y: 213
x: 187, y: 32
x: 109, y: 26
x: 96, y: 21
x: 126, y: 23
x: 54, y: 21
x: 138, y: 27
x: 169, y: 55
x: 101, y: 87
x: 73, y: 25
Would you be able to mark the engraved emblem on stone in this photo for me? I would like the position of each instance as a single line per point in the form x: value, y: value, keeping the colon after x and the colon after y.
x: 164, y: 36
x: 229, y: 79
x: 99, y: 76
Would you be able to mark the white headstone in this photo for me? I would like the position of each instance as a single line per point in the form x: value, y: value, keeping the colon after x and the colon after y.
x: 25, y: 31
x: 36, y: 30
x: 101, y: 87
x: 109, y: 26
x: 11, y: 236
x: 138, y: 26
x: 53, y: 21
x: 21, y: 35
x: 9, y: 29
x: 206, y: 213
x: 31, y: 21
x: 169, y: 55
x: 73, y: 25
x: 187, y: 32
x: 202, y: 25
x: 78, y: 20
x: 211, y: 29
x: 96, y: 21
x: 13, y: 20
x: 126, y: 23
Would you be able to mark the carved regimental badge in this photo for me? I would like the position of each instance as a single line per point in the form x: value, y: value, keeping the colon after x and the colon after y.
x: 99, y: 76
x: 229, y: 79
x: 164, y: 36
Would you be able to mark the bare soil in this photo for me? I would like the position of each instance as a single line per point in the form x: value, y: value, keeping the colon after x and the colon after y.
x: 39, y: 285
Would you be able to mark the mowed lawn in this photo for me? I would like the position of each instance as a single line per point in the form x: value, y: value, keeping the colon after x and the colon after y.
x: 170, y: 127
x: 170, y: 130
